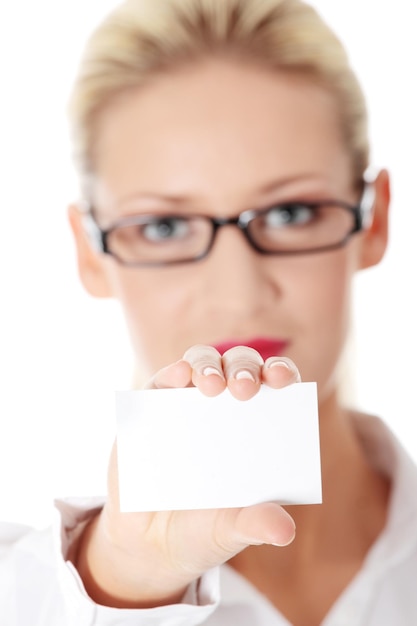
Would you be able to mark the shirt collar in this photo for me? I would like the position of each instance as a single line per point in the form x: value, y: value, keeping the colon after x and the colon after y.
x: 387, y: 455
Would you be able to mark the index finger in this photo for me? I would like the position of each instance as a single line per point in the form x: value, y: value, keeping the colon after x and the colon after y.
x: 207, y: 370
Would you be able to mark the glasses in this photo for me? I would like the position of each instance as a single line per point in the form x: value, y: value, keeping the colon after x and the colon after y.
x: 289, y: 228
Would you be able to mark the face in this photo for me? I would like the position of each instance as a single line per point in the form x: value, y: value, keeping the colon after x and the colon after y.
x: 217, y: 139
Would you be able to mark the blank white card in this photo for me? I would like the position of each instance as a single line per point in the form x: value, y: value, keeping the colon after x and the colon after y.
x: 178, y: 449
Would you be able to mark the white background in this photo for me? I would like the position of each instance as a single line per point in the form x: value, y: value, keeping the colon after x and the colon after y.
x: 62, y: 354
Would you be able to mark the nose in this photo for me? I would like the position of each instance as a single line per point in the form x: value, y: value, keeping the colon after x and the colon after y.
x: 237, y: 277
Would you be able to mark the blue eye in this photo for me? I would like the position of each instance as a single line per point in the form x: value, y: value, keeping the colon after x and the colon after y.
x: 165, y: 228
x: 289, y: 215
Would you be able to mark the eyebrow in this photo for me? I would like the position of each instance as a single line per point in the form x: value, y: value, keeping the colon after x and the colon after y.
x: 273, y: 185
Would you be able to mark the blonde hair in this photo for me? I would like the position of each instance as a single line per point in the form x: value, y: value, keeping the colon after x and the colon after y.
x: 143, y: 37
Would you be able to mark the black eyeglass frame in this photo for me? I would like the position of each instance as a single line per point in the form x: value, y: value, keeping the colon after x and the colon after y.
x: 362, y: 213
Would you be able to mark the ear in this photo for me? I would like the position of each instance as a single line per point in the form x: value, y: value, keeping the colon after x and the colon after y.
x: 91, y: 266
x: 375, y: 238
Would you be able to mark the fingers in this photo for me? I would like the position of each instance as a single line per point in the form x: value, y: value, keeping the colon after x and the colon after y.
x: 279, y: 372
x: 267, y: 523
x: 241, y: 369
x: 207, y: 369
x: 206, y: 538
x: 177, y: 374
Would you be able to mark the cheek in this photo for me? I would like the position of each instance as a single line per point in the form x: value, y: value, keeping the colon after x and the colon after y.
x: 324, y: 305
x: 327, y: 289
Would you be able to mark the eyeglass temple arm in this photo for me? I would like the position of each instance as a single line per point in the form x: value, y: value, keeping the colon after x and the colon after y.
x: 92, y: 230
x: 367, y: 203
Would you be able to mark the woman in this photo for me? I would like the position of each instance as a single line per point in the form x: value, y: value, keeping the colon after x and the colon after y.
x: 193, y: 120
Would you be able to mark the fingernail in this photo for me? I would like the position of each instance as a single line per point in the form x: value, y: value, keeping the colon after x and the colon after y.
x: 279, y: 364
x: 286, y: 542
x: 283, y: 545
x: 209, y: 371
x: 244, y: 375
x: 285, y: 365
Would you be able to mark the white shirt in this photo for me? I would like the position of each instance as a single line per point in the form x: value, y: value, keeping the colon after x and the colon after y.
x: 38, y: 587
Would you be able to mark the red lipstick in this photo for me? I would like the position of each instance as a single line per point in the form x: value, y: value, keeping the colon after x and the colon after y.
x: 265, y: 346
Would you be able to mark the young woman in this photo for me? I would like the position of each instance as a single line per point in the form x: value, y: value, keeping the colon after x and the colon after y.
x: 223, y: 155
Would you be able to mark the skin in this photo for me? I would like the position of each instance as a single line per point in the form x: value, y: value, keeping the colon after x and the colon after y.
x: 234, y: 137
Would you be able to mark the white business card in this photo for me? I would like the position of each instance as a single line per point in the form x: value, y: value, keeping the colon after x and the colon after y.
x: 178, y: 449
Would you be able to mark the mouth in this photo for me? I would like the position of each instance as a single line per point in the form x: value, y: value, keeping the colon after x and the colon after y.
x: 265, y: 346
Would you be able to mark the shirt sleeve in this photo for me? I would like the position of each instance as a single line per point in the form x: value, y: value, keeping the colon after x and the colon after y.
x: 198, y: 603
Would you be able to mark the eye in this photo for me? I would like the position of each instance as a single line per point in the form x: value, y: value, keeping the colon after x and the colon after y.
x: 165, y: 228
x: 292, y: 214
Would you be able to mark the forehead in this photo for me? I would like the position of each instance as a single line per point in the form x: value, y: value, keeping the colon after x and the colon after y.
x: 218, y: 125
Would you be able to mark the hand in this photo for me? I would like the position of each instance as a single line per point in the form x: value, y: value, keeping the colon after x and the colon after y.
x: 149, y: 559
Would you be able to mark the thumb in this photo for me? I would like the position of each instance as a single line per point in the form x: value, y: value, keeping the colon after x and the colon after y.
x: 266, y: 523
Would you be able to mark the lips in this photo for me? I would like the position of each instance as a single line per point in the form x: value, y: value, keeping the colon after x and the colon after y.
x: 266, y: 347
